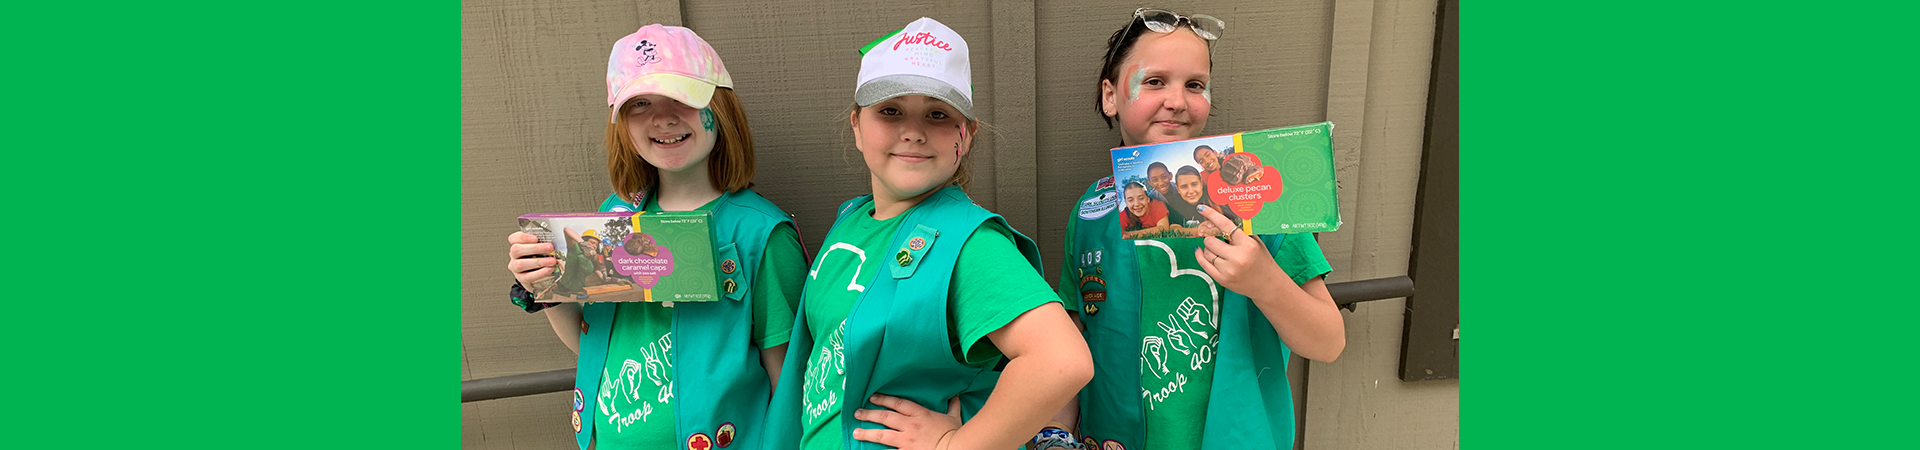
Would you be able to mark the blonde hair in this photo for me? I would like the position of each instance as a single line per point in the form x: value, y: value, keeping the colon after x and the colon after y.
x: 729, y: 167
x: 960, y: 175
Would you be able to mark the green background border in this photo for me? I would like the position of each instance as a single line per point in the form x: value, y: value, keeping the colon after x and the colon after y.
x: 1681, y: 225
x: 272, y: 257
x: 1758, y: 153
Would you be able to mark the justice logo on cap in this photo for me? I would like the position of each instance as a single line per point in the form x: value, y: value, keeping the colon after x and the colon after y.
x: 925, y: 58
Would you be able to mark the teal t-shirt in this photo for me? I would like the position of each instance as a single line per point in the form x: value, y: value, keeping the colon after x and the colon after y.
x: 983, y: 296
x: 1179, y: 326
x: 636, y: 388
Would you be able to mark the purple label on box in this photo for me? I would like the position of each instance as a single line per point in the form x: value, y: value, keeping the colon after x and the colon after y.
x: 647, y: 267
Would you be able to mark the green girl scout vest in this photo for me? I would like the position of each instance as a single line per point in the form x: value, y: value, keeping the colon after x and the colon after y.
x: 1250, y: 404
x: 724, y: 401
x: 901, y: 320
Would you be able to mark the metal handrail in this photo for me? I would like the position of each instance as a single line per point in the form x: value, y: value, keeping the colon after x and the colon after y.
x: 1344, y: 294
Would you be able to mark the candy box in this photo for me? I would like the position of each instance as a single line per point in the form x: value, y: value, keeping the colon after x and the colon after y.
x: 627, y: 256
x: 1267, y: 182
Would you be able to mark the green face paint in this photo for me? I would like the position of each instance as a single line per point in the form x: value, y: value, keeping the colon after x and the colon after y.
x: 1207, y: 93
x: 1133, y: 83
x: 706, y: 118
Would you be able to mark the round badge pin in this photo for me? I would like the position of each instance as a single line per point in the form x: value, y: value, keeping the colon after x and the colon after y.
x: 917, y: 243
x: 576, y: 421
x: 724, y: 436
x: 579, y: 401
x: 726, y: 266
x: 699, y: 441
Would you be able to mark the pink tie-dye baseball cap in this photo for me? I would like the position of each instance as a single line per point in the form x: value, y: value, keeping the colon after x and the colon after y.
x: 670, y: 61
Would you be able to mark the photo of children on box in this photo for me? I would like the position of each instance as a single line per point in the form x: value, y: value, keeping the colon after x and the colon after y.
x: 627, y: 257
x: 1267, y: 182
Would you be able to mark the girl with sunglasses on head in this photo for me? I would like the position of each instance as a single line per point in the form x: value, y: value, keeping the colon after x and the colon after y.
x: 918, y: 296
x: 1190, y: 337
x: 693, y: 374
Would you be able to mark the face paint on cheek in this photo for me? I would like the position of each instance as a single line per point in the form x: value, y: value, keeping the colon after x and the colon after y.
x: 706, y: 118
x: 1133, y: 82
x: 1207, y: 93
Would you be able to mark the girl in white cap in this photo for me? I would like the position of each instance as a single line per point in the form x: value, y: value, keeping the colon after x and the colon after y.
x: 693, y: 374
x: 923, y: 310
x: 1190, y: 336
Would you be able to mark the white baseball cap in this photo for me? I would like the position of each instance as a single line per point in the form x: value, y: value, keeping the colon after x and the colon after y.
x: 925, y: 58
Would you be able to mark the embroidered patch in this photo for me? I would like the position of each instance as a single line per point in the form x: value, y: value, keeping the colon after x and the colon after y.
x: 1090, y: 443
x: 917, y: 243
x: 576, y: 421
x: 1112, y: 445
x: 699, y: 441
x: 724, y: 437
x: 579, y: 402
x: 1091, y: 309
x: 726, y: 266
x: 1093, y: 296
x: 1105, y: 183
x: 1100, y: 205
x: 583, y: 326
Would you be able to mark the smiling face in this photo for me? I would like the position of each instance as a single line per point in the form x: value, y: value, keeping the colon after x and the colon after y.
x: 912, y: 144
x: 1190, y: 187
x: 669, y: 135
x: 1208, y: 158
x: 1137, y: 200
x: 1161, y: 179
x: 1162, y: 93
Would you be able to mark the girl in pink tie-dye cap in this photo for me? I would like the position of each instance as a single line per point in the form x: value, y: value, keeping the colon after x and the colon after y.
x: 688, y: 374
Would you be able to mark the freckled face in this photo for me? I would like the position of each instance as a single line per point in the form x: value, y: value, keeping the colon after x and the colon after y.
x: 912, y: 144
x: 1191, y: 188
x: 1162, y: 94
x: 668, y: 134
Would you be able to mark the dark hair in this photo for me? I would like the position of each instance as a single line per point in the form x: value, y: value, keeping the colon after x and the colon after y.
x: 1118, y: 46
x: 1159, y: 165
x: 1134, y: 185
x: 1189, y: 170
x: 1196, y: 150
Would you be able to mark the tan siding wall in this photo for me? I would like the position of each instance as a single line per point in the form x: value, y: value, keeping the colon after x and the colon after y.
x: 532, y: 102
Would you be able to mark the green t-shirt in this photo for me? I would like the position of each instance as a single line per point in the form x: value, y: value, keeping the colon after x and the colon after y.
x: 1179, y: 326
x: 636, y: 388
x: 982, y: 297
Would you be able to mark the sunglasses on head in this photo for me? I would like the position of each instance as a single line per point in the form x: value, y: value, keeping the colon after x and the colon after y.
x: 1164, y: 21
